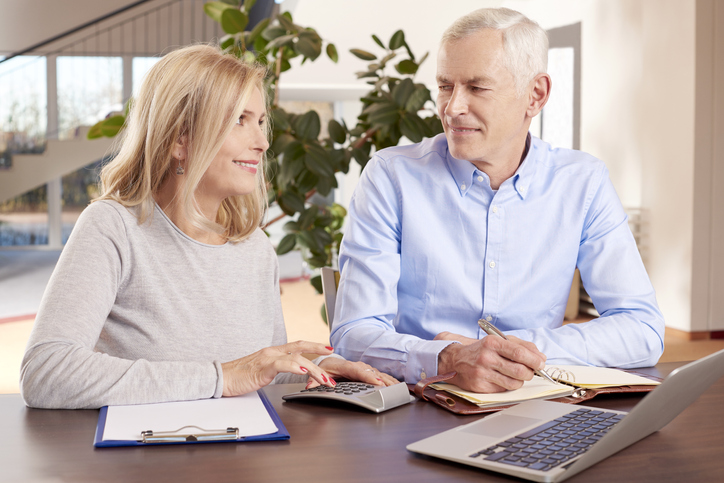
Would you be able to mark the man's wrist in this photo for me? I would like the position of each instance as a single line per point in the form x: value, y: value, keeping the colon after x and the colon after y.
x: 446, y: 358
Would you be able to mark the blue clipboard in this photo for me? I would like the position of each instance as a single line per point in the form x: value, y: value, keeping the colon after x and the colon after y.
x: 281, y: 434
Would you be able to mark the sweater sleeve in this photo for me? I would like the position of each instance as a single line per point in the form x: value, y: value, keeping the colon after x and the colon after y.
x: 61, y: 368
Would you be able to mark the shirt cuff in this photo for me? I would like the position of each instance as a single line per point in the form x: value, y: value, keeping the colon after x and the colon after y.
x: 422, y: 359
x: 219, y: 391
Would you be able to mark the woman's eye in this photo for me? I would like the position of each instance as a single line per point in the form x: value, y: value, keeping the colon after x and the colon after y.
x: 240, y: 121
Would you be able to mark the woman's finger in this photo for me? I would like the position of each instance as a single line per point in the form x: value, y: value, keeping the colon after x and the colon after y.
x: 305, y: 347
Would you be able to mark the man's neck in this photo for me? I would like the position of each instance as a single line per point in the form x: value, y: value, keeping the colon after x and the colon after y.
x: 499, y: 172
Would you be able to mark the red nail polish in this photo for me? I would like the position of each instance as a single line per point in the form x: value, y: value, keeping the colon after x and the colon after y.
x: 303, y: 369
x: 324, y: 378
x: 330, y: 348
x: 334, y: 383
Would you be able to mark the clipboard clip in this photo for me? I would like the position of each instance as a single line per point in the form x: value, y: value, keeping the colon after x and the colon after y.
x: 181, y: 437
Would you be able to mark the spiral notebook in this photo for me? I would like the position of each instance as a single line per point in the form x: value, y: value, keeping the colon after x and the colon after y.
x: 573, y: 381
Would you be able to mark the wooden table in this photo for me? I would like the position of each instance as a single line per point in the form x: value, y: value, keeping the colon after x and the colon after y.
x: 334, y: 442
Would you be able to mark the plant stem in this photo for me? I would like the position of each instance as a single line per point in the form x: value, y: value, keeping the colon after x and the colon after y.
x: 274, y: 220
x: 278, y: 73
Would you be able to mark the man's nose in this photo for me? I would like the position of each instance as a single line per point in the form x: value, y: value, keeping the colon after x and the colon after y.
x: 458, y: 103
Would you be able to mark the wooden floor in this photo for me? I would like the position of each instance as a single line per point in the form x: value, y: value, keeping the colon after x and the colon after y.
x: 302, y: 313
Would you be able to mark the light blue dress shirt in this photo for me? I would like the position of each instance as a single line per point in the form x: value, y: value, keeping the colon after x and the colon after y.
x: 430, y: 247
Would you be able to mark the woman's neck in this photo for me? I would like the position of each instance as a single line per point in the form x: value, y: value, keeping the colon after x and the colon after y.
x: 168, y: 197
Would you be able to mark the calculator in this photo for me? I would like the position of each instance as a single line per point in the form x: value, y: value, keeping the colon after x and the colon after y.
x: 368, y: 396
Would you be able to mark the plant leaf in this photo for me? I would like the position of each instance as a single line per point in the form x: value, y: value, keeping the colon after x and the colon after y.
x: 291, y: 203
x: 318, y: 162
x: 291, y: 227
x: 215, y: 9
x: 386, y: 114
x: 418, y: 98
x: 287, y: 24
x: 402, y: 91
x: 308, y: 125
x: 336, y: 132
x: 397, y: 40
x: 363, y: 54
x: 272, y: 32
x: 306, y: 218
x: 332, y: 53
x: 406, y: 66
x: 280, y: 119
x: 287, y: 244
x: 316, y: 282
x: 258, y: 29
x: 378, y: 41
x: 280, y: 41
x: 233, y: 21
x: 308, y: 47
x: 95, y: 131
x: 111, y: 126
x: 248, y: 5
x: 411, y: 129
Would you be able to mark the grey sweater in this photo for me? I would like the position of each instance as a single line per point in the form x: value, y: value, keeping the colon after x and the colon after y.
x: 143, y: 313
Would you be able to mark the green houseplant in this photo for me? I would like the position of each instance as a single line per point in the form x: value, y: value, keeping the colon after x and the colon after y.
x: 300, y: 163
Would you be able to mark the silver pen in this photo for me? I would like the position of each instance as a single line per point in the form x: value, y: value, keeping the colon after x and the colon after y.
x: 490, y: 329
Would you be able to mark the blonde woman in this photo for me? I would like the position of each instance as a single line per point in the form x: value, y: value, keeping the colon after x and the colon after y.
x: 168, y: 289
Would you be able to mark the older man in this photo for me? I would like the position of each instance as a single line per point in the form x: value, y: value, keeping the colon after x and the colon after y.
x: 489, y: 222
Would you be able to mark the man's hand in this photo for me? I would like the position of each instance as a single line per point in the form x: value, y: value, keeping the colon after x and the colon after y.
x: 456, y: 337
x: 491, y: 364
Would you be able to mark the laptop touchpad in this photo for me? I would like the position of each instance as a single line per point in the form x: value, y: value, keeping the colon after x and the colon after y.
x: 500, y: 426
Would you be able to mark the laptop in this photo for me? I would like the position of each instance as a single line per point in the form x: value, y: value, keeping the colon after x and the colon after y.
x: 550, y: 441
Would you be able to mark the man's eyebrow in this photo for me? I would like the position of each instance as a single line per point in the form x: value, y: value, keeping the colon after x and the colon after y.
x: 472, y: 80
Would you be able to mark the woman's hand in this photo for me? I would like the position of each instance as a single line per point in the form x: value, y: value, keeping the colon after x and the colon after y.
x: 354, y: 371
x: 257, y: 370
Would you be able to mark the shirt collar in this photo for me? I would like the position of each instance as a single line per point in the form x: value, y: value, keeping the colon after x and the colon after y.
x: 463, y: 171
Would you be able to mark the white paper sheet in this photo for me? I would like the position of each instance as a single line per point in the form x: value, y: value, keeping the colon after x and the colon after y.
x: 246, y: 412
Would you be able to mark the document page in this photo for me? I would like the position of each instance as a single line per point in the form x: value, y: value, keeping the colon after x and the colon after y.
x: 247, y: 412
x: 597, y: 377
x: 537, y: 388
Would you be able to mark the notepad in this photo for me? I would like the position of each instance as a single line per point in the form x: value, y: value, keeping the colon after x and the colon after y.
x: 241, y: 418
x: 571, y: 379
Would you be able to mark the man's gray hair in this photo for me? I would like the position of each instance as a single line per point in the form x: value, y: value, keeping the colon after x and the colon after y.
x: 524, y: 41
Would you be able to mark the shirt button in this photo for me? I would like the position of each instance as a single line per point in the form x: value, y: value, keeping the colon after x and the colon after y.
x: 491, y: 264
x: 423, y: 375
x: 522, y: 189
x: 495, y: 209
x: 488, y: 318
x: 480, y: 178
x: 462, y: 186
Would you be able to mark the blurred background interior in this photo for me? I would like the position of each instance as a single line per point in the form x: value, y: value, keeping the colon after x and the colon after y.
x: 637, y: 83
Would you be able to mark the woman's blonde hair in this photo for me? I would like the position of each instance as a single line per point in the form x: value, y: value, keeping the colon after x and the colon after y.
x: 194, y: 94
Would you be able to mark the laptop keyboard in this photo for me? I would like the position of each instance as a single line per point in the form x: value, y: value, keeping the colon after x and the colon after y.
x: 553, y: 443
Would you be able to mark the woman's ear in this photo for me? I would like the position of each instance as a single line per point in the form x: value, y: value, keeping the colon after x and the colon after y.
x: 180, y: 150
x: 540, y: 91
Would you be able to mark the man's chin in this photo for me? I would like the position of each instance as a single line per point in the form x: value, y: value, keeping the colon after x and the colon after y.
x: 466, y: 153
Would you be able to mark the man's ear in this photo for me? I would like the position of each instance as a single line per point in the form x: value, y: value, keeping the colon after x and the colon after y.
x: 540, y: 91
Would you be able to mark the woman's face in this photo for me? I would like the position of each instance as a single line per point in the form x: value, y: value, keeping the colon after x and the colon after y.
x: 233, y: 170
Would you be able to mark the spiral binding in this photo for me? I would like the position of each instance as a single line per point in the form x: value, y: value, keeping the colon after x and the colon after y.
x: 560, y: 374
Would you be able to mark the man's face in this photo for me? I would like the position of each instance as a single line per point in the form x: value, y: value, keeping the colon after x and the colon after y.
x: 483, y: 116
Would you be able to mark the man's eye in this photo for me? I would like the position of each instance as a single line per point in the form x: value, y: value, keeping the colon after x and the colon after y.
x: 444, y: 88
